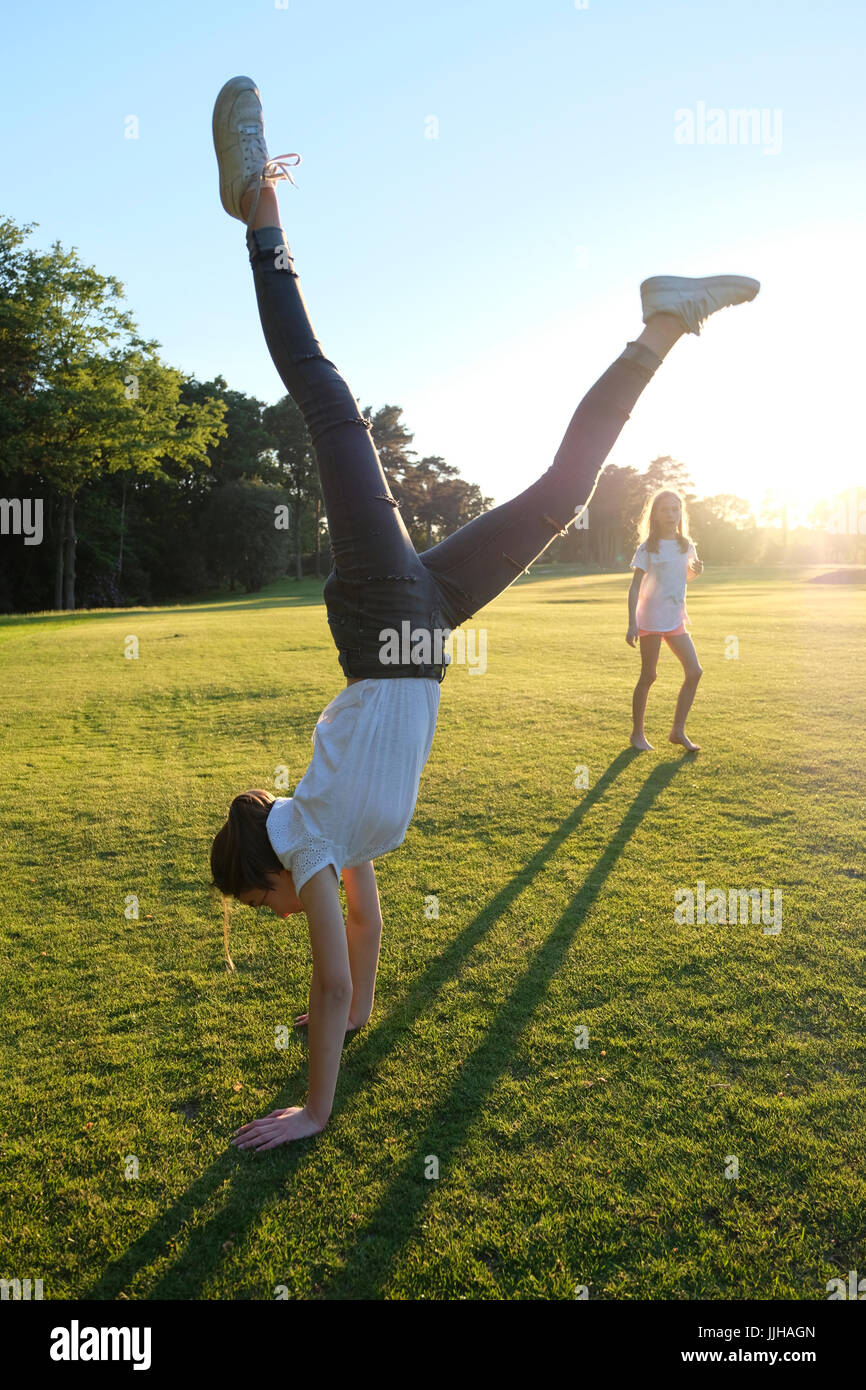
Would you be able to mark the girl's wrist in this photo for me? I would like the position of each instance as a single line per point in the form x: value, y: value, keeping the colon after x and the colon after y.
x: 315, y: 1119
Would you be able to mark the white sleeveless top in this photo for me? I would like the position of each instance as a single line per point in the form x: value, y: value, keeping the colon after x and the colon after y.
x: 357, y: 797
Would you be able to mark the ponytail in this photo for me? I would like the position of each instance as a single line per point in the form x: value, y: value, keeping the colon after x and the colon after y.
x: 227, y: 911
x: 242, y: 856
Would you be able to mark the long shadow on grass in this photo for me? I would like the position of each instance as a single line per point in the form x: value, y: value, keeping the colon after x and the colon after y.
x: 391, y: 1226
x: 255, y: 1180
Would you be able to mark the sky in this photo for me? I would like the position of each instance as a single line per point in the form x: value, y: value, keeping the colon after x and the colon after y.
x: 483, y: 187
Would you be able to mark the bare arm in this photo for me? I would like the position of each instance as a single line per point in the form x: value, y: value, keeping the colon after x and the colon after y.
x: 634, y: 590
x: 364, y: 937
x: 693, y: 569
x: 330, y: 989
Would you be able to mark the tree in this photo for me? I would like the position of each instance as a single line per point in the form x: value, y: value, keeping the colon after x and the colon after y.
x: 723, y: 528
x: 244, y: 539
x: 452, y: 503
x: 434, y: 501
x: 245, y: 449
x: 774, y: 508
x: 92, y: 395
x: 604, y: 533
x: 391, y: 438
x: 297, y: 472
x: 666, y: 472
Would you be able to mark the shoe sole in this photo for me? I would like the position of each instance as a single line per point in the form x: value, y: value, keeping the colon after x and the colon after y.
x: 224, y: 137
x: 725, y: 283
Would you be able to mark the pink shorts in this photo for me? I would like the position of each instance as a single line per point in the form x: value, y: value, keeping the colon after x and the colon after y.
x: 676, y: 632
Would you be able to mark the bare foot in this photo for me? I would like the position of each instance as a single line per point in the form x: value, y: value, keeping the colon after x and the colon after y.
x: 686, y: 742
x: 303, y: 1020
x: 641, y: 743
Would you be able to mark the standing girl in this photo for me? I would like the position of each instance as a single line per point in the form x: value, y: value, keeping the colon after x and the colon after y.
x: 371, y: 742
x: 663, y: 564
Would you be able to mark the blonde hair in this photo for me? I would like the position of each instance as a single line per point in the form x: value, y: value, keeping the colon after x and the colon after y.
x: 648, y: 526
x: 227, y: 912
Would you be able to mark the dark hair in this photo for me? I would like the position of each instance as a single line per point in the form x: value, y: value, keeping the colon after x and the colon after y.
x: 242, y: 856
x: 648, y: 524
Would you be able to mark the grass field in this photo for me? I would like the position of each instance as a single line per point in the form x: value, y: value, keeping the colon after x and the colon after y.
x: 126, y: 1043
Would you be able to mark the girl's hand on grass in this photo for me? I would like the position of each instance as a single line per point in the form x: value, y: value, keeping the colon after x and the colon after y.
x: 280, y: 1127
x: 631, y: 635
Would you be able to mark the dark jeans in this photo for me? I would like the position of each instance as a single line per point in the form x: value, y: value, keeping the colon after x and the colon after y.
x: 379, y: 581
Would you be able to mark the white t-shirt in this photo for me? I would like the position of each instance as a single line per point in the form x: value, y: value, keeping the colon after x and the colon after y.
x: 661, y: 602
x: 356, y: 799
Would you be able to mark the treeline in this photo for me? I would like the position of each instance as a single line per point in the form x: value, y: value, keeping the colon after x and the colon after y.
x: 125, y: 482
x: 725, y: 527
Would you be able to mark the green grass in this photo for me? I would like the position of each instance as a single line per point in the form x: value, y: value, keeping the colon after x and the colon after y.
x: 557, y: 1166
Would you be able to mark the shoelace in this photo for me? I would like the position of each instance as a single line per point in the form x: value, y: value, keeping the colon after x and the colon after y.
x: 272, y: 171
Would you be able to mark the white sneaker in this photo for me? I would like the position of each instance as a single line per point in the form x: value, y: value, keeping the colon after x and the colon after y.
x: 239, y: 141
x: 692, y: 301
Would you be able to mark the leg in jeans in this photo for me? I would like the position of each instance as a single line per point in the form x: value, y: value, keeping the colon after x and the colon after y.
x: 377, y: 584
x: 368, y: 536
x: 487, y: 554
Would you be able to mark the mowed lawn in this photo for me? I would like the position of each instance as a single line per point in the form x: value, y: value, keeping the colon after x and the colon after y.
x: 711, y: 1049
